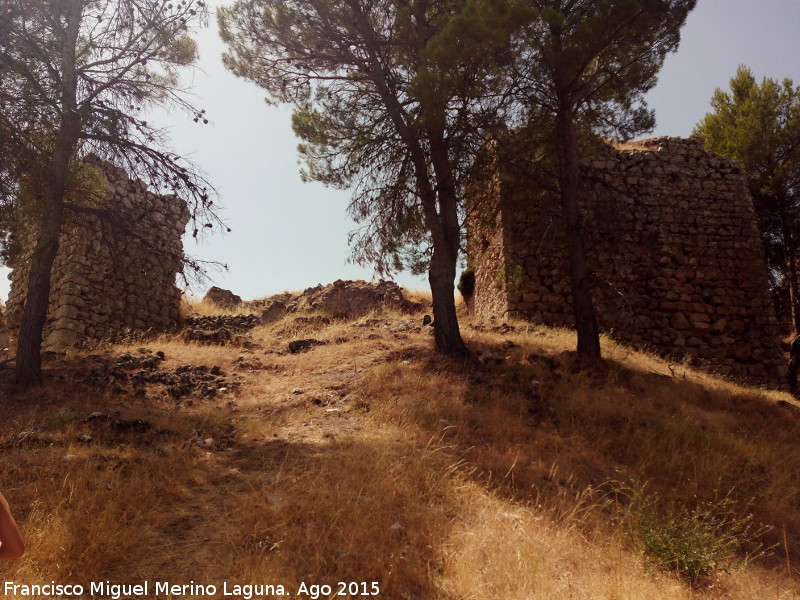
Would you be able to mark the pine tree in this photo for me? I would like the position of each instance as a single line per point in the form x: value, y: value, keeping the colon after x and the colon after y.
x: 584, y: 66
x: 75, y: 76
x: 392, y: 99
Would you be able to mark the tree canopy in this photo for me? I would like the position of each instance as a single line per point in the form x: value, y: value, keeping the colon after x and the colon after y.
x: 598, y: 58
x: 121, y: 58
x: 759, y: 125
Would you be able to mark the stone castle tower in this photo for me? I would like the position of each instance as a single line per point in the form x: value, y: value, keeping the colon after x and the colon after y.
x: 671, y: 237
x: 113, y: 274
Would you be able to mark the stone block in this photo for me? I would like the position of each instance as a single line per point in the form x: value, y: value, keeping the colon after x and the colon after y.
x: 62, y: 339
x: 67, y: 311
x: 680, y: 322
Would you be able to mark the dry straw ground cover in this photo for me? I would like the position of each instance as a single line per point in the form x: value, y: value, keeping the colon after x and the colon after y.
x: 518, y: 474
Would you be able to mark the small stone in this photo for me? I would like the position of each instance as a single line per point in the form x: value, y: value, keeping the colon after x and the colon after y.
x: 303, y: 345
x: 488, y: 358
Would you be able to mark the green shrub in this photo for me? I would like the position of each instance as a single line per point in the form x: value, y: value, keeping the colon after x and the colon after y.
x: 466, y: 283
x: 695, y: 542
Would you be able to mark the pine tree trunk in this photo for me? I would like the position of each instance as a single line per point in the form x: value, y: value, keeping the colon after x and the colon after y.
x: 446, y: 233
x: 790, y: 251
x: 29, y: 343
x: 441, y: 277
x: 794, y: 292
x: 581, y: 285
x: 34, y: 316
x: 37, y: 299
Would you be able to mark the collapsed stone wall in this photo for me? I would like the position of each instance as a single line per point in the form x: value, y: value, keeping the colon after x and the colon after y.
x: 114, y: 272
x: 671, y: 238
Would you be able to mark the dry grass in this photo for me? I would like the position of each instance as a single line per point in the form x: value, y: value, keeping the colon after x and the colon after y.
x: 204, y: 308
x: 369, y: 458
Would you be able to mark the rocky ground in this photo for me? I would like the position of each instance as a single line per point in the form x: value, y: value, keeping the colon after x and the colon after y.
x: 315, y: 448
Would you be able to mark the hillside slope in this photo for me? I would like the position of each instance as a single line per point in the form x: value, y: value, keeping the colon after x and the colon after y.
x: 518, y: 474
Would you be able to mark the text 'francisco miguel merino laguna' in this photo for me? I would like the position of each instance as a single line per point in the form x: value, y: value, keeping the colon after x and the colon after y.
x: 115, y: 591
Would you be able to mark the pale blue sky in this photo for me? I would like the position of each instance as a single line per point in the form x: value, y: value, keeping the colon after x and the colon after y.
x: 288, y: 235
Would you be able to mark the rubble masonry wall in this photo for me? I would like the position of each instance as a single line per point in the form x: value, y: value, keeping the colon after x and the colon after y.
x: 671, y: 237
x: 113, y: 274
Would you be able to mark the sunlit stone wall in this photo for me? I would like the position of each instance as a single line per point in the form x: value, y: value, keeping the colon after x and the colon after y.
x: 113, y: 274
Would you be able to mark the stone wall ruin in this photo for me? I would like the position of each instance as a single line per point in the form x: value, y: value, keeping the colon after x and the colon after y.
x: 113, y: 274
x: 671, y: 237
